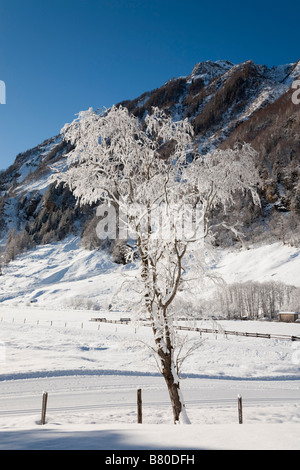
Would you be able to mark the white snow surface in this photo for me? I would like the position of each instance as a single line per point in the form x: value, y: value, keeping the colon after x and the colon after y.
x: 92, y: 370
x: 58, y: 273
x: 274, y: 262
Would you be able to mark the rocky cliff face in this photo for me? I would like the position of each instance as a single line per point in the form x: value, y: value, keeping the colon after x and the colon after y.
x: 252, y: 103
x: 226, y: 104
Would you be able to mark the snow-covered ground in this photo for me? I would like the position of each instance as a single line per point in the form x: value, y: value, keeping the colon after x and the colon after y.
x: 274, y: 262
x: 62, y: 273
x: 92, y: 371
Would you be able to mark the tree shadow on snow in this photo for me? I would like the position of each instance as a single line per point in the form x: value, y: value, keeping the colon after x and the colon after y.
x: 49, y: 439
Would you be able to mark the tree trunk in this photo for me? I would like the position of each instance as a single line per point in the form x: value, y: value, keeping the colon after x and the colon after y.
x: 172, y: 381
x: 173, y: 389
x: 165, y: 351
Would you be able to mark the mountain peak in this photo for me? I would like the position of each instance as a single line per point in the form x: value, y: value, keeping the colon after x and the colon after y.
x: 209, y: 70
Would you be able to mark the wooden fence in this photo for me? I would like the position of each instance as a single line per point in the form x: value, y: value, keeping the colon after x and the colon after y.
x: 139, y: 408
x: 215, y: 331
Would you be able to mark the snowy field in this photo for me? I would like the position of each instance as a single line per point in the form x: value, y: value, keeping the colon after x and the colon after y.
x: 92, y: 371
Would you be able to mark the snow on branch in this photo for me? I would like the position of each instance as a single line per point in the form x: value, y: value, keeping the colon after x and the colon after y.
x: 164, y: 202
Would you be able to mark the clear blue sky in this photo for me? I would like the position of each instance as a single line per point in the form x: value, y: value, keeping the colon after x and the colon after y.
x: 59, y: 57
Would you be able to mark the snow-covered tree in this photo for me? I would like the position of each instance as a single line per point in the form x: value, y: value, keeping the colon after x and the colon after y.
x: 164, y: 193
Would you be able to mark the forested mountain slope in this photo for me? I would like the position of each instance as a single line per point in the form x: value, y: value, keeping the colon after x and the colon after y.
x: 226, y: 104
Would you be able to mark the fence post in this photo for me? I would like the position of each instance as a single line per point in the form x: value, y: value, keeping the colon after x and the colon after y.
x: 240, y: 409
x: 44, y: 408
x: 139, y: 406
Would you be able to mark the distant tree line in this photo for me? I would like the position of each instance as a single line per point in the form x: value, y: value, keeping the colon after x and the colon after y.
x: 254, y: 300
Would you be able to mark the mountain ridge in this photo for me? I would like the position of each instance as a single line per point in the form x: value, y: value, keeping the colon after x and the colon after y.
x: 226, y: 103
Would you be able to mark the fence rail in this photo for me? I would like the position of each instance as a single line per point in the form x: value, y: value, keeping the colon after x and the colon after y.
x: 211, y: 330
x: 240, y: 333
x: 215, y: 331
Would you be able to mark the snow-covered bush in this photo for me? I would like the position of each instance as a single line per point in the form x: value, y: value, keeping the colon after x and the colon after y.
x: 81, y: 303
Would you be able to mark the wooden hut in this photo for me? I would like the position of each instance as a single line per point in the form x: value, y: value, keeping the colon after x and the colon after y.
x: 288, y: 317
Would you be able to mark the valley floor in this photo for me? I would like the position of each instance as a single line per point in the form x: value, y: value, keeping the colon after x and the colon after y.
x: 92, y: 371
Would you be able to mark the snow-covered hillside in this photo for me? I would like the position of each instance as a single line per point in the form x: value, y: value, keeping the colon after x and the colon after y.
x: 63, y: 274
x: 59, y: 273
x: 274, y: 262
